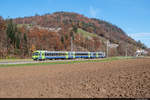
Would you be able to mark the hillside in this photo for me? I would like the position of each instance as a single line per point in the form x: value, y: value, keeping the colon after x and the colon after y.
x: 66, y: 20
x: 54, y: 32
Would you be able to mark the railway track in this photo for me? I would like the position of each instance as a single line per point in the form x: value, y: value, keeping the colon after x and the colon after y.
x: 28, y: 62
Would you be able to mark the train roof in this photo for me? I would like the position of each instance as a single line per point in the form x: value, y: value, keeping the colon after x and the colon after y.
x: 65, y: 51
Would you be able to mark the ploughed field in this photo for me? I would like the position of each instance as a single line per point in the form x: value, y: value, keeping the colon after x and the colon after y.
x: 120, y: 78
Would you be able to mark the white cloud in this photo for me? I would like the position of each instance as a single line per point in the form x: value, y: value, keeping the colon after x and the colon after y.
x: 93, y: 12
x: 140, y: 36
x: 143, y: 37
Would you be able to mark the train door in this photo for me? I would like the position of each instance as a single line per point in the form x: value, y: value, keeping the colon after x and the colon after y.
x: 92, y: 55
x: 89, y: 54
x: 43, y: 55
x: 67, y: 55
x: 96, y: 54
x: 72, y: 55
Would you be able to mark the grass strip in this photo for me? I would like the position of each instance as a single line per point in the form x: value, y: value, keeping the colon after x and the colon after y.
x: 12, y: 60
x: 67, y: 62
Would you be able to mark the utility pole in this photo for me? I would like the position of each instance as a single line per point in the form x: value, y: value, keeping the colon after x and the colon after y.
x: 126, y: 50
x: 71, y: 44
x: 107, y: 48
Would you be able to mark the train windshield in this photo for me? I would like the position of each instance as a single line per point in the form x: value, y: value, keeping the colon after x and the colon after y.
x: 35, y: 54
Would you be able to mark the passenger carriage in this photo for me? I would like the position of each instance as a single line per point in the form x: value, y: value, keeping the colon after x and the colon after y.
x: 43, y: 55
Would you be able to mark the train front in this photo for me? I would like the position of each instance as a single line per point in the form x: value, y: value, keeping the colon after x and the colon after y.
x: 35, y: 55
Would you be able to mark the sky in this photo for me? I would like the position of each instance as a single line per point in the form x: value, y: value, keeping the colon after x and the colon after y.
x: 133, y: 16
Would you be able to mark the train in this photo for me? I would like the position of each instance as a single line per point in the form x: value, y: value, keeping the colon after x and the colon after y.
x: 50, y: 55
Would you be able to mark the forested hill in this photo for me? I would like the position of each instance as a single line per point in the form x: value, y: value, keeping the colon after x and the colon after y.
x: 66, y: 20
x: 55, y: 31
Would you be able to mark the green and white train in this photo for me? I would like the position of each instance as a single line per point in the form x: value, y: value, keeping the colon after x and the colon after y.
x: 44, y: 55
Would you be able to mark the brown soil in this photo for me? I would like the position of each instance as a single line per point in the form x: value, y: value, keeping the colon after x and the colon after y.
x: 122, y: 78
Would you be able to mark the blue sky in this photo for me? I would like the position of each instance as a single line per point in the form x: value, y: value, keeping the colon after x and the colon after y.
x: 133, y: 16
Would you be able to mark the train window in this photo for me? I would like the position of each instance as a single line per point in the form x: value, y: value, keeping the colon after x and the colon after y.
x: 62, y: 54
x: 94, y: 54
x: 55, y: 54
x: 76, y: 54
x: 35, y: 54
x: 81, y: 54
x: 100, y: 54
